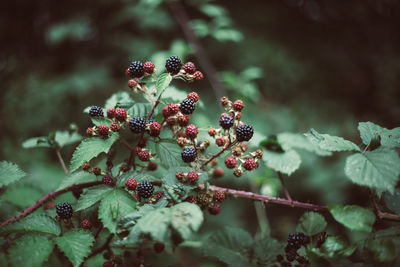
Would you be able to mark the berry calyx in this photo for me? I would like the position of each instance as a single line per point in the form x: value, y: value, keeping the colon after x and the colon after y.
x: 86, y: 224
x: 187, y: 106
x: 180, y: 176
x: 137, y: 125
x: 173, y: 65
x: 218, y: 172
x: 230, y: 162
x: 64, y: 210
x: 148, y: 67
x: 250, y: 164
x: 192, y: 131
x: 144, y: 155
x: 238, y: 172
x: 155, y: 128
x: 181, y: 141
x: 244, y: 133
x: 193, y: 96
x: 115, y: 127
x: 158, y: 247
x: 198, y: 76
x: 189, y: 154
x: 220, y: 141
x: 96, y: 111
x: 214, y: 209
x: 189, y: 67
x: 110, y: 113
x: 192, y: 177
x: 120, y: 114
x: 183, y: 120
x: 219, y: 196
x: 145, y: 189
x: 107, y: 180
x: 238, y: 105
x: 89, y: 132
x: 136, y: 69
x: 103, y: 130
x: 212, y: 131
x: 226, y: 121
x: 132, y: 83
x: 96, y: 171
x: 131, y: 184
x: 224, y: 101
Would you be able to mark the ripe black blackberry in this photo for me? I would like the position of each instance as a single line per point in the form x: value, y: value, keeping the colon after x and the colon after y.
x: 145, y: 189
x: 96, y: 111
x: 64, y: 210
x: 244, y: 133
x: 226, y: 121
x: 173, y: 65
x: 107, y: 180
x: 137, y: 125
x: 295, y: 241
x: 136, y: 69
x: 189, y: 154
x: 187, y: 106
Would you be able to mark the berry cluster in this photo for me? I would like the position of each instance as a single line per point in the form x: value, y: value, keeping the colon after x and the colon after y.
x: 208, y: 200
x: 294, y: 243
x: 190, y: 177
x: 188, y: 72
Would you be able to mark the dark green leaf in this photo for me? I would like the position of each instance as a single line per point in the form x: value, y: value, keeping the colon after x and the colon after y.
x: 186, y: 218
x: 286, y: 162
x: 33, y: 223
x: 382, y: 249
x: 393, y: 201
x: 311, y: 223
x: 353, y: 217
x: 330, y: 143
x: 9, y: 173
x: 92, y: 195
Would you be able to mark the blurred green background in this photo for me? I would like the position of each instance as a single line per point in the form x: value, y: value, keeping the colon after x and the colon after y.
x: 296, y: 64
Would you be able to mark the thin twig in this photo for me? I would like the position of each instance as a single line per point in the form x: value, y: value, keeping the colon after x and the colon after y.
x: 47, y: 197
x: 61, y: 160
x: 261, y: 214
x: 218, y: 154
x: 103, y: 247
x: 125, y: 142
x: 283, y: 186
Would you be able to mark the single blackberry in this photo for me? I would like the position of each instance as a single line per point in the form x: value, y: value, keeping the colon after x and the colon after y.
x: 120, y: 114
x: 173, y: 65
x: 148, y: 67
x: 136, y: 69
x: 107, y: 180
x: 145, y: 189
x: 192, y: 177
x: 250, y: 164
x: 183, y: 120
x: 159, y: 247
x: 137, y: 125
x: 131, y: 184
x: 220, y: 141
x: 192, y: 131
x: 193, y: 96
x: 230, y: 162
x: 64, y: 210
x: 218, y: 173
x: 144, y: 155
x: 219, y: 196
x: 96, y: 111
x: 187, y: 106
x: 86, y: 224
x: 290, y: 256
x: 189, y: 154
x: 238, y: 105
x: 214, y: 209
x: 226, y: 121
x: 189, y: 67
x: 244, y: 133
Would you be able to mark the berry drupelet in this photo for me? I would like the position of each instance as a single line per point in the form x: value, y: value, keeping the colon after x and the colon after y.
x: 96, y: 111
x: 64, y: 210
x: 244, y: 132
x: 137, y: 125
x: 189, y: 154
x: 226, y: 121
x: 145, y: 189
x: 136, y: 69
x: 173, y: 65
x: 187, y: 106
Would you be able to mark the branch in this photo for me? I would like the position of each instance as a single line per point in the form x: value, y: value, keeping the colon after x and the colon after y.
x: 283, y: 186
x: 60, y: 159
x: 218, y: 154
x: 47, y: 197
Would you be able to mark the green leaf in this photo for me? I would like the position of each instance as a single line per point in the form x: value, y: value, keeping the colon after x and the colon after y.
x: 293, y: 140
x: 64, y: 138
x: 140, y: 110
x: 163, y: 82
x: 272, y: 246
x: 393, y: 201
x: 33, y: 223
x: 10, y: 173
x: 335, y: 246
x: 378, y: 169
x: 169, y: 154
x: 30, y: 250
x: 92, y: 195
x: 382, y: 249
x: 75, y: 244
x: 311, y: 223
x: 114, y: 206
x: 91, y: 148
x: 186, y: 218
x: 330, y: 143
x: 101, y: 121
x: 30, y: 195
x: 76, y: 178
x: 370, y: 131
x: 353, y: 217
x: 286, y: 162
x: 36, y: 142
x: 120, y: 99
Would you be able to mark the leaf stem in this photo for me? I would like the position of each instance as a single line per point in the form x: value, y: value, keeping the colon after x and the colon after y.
x: 218, y: 154
x: 283, y: 186
x: 61, y: 160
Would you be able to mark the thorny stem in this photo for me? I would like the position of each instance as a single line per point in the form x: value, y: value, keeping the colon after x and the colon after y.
x: 283, y: 186
x: 47, y: 197
x: 218, y: 154
x: 61, y: 160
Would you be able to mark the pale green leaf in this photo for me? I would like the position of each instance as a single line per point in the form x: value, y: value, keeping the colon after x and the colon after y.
x: 140, y: 110
x: 388, y: 138
x: 213, y: 10
x: 101, y: 121
x: 377, y: 169
x: 36, y: 142
x: 64, y: 138
x: 114, y: 206
x: 163, y: 82
x: 330, y: 143
x: 76, y: 178
x: 293, y: 140
x: 91, y: 148
x: 92, y: 195
x: 335, y: 246
x: 120, y: 99
x: 33, y: 223
x: 186, y: 218
x: 75, y: 244
x: 311, y: 223
x: 30, y: 250
x: 382, y: 249
x: 9, y: 173
x: 30, y: 195
x: 169, y: 154
x: 353, y: 217
x: 286, y: 162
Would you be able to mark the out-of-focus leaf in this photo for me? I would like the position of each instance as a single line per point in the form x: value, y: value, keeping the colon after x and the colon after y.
x: 353, y: 217
x: 10, y: 173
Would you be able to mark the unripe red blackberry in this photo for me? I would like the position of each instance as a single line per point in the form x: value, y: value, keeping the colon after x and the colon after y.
x: 64, y: 210
x: 238, y: 105
x: 152, y: 166
x: 192, y: 131
x: 96, y: 171
x: 203, y: 200
x: 158, y: 247
x: 172, y: 109
x: 136, y: 69
x: 103, y: 130
x: 148, y: 67
x: 173, y: 65
x: 181, y: 141
x: 244, y: 133
x: 124, y: 167
x: 131, y: 184
x: 224, y: 101
x: 220, y: 141
x: 107, y: 180
x: 187, y: 106
x: 191, y: 199
x: 132, y: 83
x: 212, y: 131
x: 108, y: 264
x: 198, y: 76
x: 183, y: 120
x: 115, y: 127
x: 238, y: 172
x: 193, y: 96
x: 96, y: 111
x: 171, y: 121
x: 155, y: 128
x: 214, y: 209
x: 189, y: 154
x: 110, y: 113
x: 192, y: 177
x: 86, y: 224
x: 218, y: 172
x: 137, y: 125
x: 180, y: 176
x: 230, y: 162
x: 219, y: 196
x: 189, y: 67
x: 89, y: 132
x: 86, y: 166
x: 165, y: 112
x: 120, y: 114
x: 226, y: 121
x: 258, y: 154
x: 144, y: 155
x: 145, y: 189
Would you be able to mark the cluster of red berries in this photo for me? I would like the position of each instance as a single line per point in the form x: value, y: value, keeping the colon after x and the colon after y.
x: 209, y: 201
x: 190, y: 177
